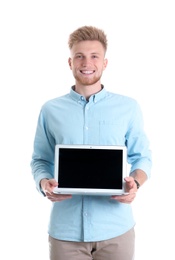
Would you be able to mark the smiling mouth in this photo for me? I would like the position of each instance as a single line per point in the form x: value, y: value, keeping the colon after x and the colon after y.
x: 87, y: 72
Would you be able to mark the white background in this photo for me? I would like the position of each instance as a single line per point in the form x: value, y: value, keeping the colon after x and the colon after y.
x: 34, y: 68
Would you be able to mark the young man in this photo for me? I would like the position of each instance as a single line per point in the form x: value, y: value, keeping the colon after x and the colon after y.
x: 90, y: 227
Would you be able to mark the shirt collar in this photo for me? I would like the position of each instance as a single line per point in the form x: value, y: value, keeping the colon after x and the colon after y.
x: 95, y: 98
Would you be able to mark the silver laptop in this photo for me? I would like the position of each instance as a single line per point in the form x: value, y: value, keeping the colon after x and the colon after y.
x: 90, y: 169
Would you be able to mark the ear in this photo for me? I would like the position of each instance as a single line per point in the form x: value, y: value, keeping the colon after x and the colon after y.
x: 70, y: 62
x: 105, y: 63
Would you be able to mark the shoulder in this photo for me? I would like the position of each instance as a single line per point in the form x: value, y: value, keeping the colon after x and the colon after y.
x: 127, y: 100
x: 55, y: 101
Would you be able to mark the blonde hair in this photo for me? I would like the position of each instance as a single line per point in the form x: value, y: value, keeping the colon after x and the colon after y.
x: 87, y: 33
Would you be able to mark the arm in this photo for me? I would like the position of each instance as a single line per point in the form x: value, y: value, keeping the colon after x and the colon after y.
x: 139, y: 156
x: 140, y: 176
x: 42, y: 163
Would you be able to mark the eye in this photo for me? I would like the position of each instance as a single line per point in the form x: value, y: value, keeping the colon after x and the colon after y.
x: 94, y: 56
x: 79, y: 56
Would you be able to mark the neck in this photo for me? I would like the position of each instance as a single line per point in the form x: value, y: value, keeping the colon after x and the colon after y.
x: 88, y: 91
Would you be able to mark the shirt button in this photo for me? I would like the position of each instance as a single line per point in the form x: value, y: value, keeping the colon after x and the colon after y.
x: 86, y: 127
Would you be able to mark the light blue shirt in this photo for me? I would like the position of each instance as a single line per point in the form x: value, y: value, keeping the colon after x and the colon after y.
x: 106, y: 119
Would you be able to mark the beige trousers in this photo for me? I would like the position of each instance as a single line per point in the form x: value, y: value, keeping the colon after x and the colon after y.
x: 118, y: 248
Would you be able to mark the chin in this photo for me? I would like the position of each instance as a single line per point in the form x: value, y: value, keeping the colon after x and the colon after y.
x: 88, y: 82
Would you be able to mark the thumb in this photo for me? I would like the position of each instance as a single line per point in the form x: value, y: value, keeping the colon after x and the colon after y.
x: 128, y: 179
x: 53, y: 182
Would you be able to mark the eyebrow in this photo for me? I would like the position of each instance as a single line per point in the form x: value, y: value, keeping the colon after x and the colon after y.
x: 90, y: 53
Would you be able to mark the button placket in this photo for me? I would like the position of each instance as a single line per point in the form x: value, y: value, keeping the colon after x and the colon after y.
x: 86, y: 122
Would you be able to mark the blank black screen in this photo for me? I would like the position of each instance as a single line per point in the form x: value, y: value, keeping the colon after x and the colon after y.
x: 90, y: 168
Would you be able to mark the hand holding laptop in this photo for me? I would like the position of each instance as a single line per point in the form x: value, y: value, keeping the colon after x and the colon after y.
x: 130, y: 188
x: 48, y: 187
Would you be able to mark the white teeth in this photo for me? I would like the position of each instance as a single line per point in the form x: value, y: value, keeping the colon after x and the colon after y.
x: 87, y: 72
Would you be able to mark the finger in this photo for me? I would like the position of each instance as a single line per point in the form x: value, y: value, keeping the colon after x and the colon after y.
x: 57, y: 197
x: 129, y: 179
x: 125, y: 198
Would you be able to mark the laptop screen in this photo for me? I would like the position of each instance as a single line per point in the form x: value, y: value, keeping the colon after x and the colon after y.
x: 90, y: 168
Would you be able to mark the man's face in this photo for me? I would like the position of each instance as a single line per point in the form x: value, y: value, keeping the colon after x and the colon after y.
x: 87, y: 62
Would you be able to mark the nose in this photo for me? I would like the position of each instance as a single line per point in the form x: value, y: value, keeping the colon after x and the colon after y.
x: 86, y: 61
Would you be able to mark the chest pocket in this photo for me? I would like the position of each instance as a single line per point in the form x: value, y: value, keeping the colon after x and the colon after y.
x: 112, y: 132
